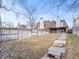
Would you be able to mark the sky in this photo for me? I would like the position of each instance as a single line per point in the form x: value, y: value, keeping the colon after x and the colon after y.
x: 44, y: 11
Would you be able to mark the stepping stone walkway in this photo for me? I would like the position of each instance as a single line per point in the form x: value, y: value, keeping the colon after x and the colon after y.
x: 63, y: 36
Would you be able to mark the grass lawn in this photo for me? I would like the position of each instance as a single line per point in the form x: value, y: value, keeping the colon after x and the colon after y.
x: 32, y: 48
x: 72, y: 48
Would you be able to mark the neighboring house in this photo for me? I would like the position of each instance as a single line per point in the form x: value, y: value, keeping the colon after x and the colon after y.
x: 0, y: 24
x: 53, y: 26
x: 76, y: 24
x: 20, y: 25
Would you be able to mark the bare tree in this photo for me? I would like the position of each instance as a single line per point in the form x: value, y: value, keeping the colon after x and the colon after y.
x: 73, y: 6
x: 12, y: 8
x: 30, y: 13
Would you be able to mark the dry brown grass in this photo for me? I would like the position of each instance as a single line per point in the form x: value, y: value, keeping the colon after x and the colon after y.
x: 72, y: 48
x: 32, y: 48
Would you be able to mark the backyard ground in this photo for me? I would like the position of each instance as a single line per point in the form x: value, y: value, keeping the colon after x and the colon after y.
x: 32, y: 48
x: 72, y: 48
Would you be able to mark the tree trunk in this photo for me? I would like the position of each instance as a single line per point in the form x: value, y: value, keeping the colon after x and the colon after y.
x: 0, y: 3
x: 18, y: 34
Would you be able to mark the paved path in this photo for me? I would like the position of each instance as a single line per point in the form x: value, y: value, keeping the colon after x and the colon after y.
x: 63, y: 35
x: 45, y: 57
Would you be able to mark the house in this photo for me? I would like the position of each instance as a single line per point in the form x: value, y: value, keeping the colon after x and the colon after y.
x: 61, y: 26
x: 0, y: 24
x: 53, y: 26
x: 76, y: 24
x: 46, y: 25
x: 49, y: 25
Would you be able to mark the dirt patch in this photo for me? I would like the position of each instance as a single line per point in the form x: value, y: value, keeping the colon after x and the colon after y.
x: 32, y: 48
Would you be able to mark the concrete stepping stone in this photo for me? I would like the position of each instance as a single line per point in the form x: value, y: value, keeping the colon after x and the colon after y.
x: 57, y: 52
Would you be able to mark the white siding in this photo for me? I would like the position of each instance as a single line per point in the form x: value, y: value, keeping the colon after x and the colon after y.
x: 41, y: 25
x: 58, y: 24
x: 77, y: 22
x: 76, y: 26
x: 62, y: 24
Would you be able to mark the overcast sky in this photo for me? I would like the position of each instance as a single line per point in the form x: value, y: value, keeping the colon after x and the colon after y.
x: 42, y: 11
